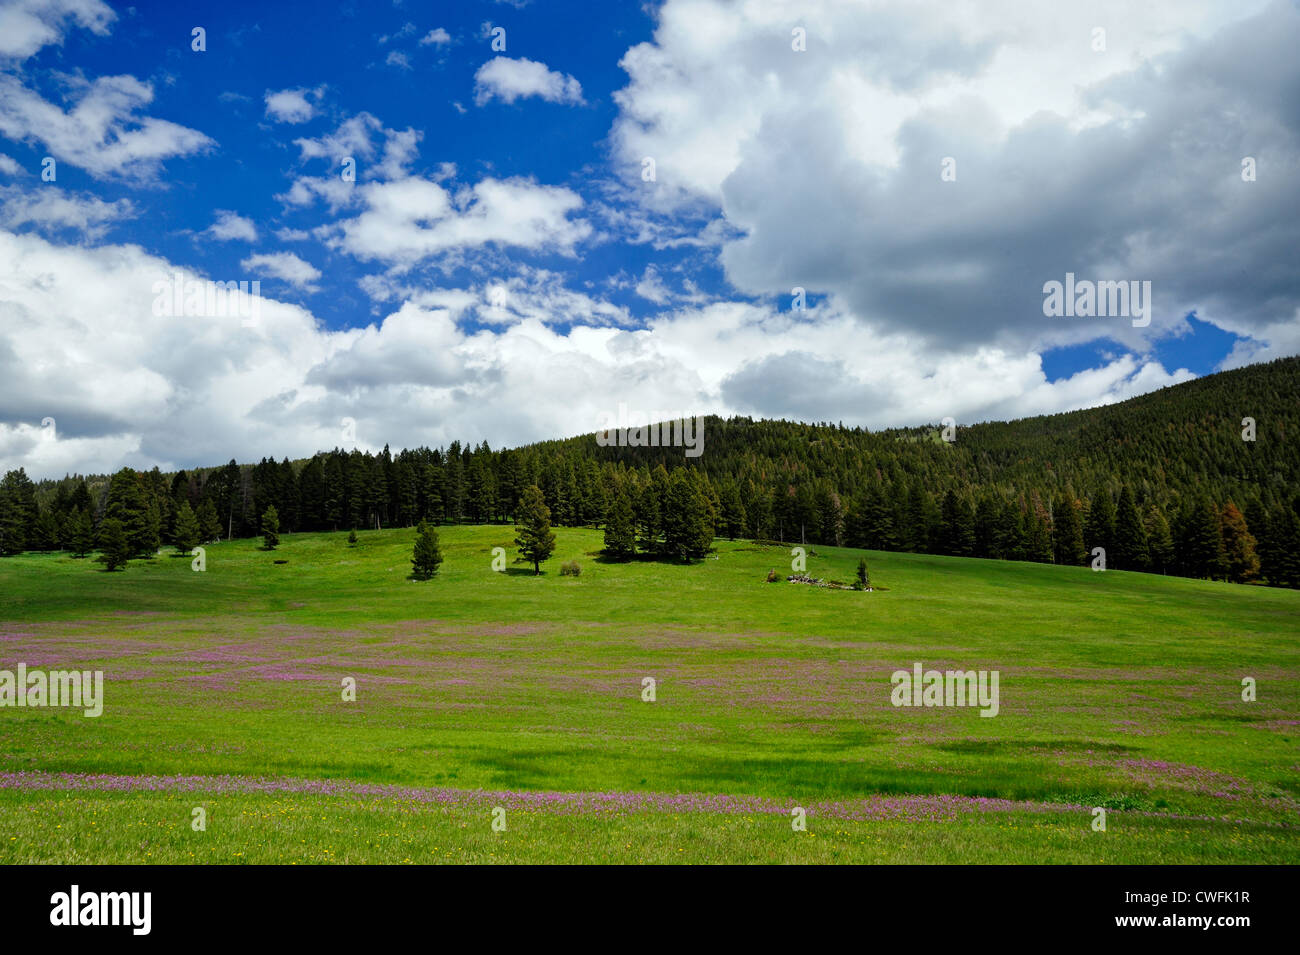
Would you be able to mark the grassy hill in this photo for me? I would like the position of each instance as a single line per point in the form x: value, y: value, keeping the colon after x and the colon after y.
x: 480, y: 690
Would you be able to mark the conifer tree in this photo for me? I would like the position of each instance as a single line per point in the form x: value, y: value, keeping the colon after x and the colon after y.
x: 1068, y: 540
x: 115, y: 548
x: 1130, y: 536
x: 209, y: 522
x: 427, y: 556
x: 1160, y: 542
x: 18, y: 512
x: 45, y: 535
x: 534, y: 538
x: 81, y: 533
x: 688, y: 525
x: 620, y: 529
x: 271, y: 528
x: 1099, y: 529
x: 185, y: 537
x: 1240, y: 560
x: 1281, y: 559
x: 1202, y: 543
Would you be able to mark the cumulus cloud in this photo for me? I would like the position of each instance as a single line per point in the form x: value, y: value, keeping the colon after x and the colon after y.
x: 291, y: 106
x: 79, y: 342
x: 52, y: 210
x: 286, y: 266
x: 1122, y: 164
x: 409, y: 220
x: 436, y: 37
x: 28, y: 25
x: 510, y: 79
x: 103, y: 133
x: 230, y: 226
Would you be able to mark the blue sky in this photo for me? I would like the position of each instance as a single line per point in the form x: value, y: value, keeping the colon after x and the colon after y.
x: 503, y: 268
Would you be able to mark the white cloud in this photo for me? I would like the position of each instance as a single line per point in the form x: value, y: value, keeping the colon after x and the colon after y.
x: 51, y: 209
x: 509, y: 79
x: 103, y: 132
x: 437, y: 37
x: 79, y: 342
x: 409, y: 220
x: 286, y: 266
x: 291, y: 106
x: 398, y: 59
x: 28, y: 25
x: 378, y: 151
x: 827, y: 163
x: 230, y: 226
x: 9, y: 166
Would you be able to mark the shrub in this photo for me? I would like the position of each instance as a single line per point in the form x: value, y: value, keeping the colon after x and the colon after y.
x: 773, y: 576
x: 570, y: 569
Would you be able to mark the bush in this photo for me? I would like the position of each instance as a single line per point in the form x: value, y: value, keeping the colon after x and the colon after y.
x: 773, y: 576
x: 570, y: 569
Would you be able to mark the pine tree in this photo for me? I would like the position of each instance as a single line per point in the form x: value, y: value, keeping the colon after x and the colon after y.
x: 1202, y: 543
x: 986, y: 528
x: 127, y: 505
x: 209, y: 522
x: 864, y: 581
x: 1011, y: 532
x: 1281, y: 558
x: 1099, y: 529
x: 271, y: 528
x: 81, y: 533
x: 427, y: 555
x: 1038, y: 534
x: 115, y: 548
x: 535, y: 540
x: 647, y: 519
x: 352, y: 536
x: 1240, y: 561
x: 1160, y: 541
x: 1130, y: 536
x: 956, y: 526
x: 1068, y: 539
x: 45, y: 535
x: 688, y: 525
x: 18, y: 512
x: 733, y: 511
x: 185, y: 536
x: 620, y: 529
x: 151, y: 538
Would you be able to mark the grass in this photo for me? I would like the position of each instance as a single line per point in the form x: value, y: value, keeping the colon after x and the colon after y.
x: 479, y: 688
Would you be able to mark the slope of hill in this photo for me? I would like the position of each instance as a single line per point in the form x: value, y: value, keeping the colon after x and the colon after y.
x: 1176, y: 481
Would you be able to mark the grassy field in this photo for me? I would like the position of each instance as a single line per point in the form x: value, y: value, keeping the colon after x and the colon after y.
x: 480, y: 691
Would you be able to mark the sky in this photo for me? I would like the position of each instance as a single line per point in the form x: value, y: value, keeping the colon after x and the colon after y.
x: 505, y: 221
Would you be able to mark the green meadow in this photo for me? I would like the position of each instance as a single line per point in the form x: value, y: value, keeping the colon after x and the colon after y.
x: 480, y: 691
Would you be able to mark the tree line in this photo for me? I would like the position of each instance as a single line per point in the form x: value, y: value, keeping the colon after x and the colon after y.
x: 1168, y: 483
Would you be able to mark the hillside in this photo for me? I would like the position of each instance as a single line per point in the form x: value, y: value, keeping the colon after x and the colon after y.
x: 1164, y: 482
